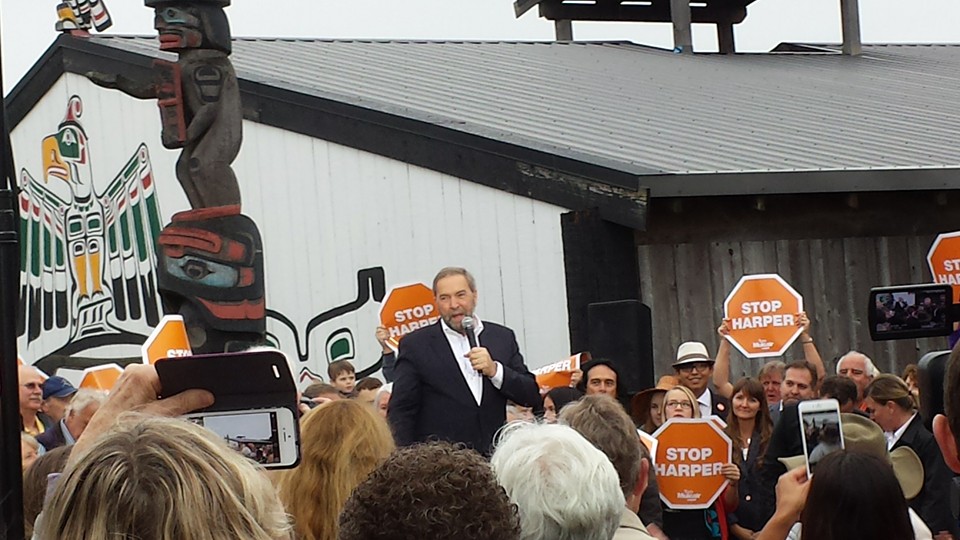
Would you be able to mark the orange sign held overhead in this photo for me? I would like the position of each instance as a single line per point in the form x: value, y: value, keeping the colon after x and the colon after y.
x: 406, y: 309
x: 101, y: 377
x: 168, y: 340
x: 762, y: 311
x: 944, y: 261
x: 689, y: 457
x: 559, y: 373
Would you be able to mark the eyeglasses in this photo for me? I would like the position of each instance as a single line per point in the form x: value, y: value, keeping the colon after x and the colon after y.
x: 685, y: 405
x: 699, y: 366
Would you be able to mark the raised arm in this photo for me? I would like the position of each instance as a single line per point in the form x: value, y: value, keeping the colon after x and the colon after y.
x: 131, y: 87
x: 388, y: 358
x: 810, y: 352
x: 721, y: 367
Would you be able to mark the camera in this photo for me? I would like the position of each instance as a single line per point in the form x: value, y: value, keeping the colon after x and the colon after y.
x: 917, y: 311
x: 911, y: 311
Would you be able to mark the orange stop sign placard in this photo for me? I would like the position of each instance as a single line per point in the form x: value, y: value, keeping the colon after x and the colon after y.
x: 406, y: 309
x: 944, y: 261
x: 689, y: 456
x: 168, y: 340
x: 762, y: 309
x: 101, y: 377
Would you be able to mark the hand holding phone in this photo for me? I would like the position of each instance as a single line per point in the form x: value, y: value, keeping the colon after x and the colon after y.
x: 137, y: 390
x: 255, y: 401
x: 820, y: 430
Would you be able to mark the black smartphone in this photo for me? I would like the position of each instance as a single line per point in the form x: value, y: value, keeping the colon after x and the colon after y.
x: 255, y: 401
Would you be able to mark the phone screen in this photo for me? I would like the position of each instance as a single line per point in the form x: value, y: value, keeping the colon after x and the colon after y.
x: 253, y: 434
x: 911, y: 311
x: 822, y: 434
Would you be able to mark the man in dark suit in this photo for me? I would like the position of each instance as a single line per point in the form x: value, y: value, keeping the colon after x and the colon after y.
x: 444, y: 389
x: 694, y: 369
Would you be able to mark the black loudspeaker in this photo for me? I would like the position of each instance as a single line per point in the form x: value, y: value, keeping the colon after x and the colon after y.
x: 622, y: 332
x: 930, y: 372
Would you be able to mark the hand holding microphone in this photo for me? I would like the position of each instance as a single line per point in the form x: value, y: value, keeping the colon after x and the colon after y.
x: 479, y: 356
x: 469, y: 328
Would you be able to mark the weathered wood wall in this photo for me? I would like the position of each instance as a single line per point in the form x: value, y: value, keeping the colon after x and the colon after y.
x: 690, y: 260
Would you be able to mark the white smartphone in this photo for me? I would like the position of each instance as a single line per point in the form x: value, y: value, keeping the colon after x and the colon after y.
x: 266, y: 436
x: 820, y: 430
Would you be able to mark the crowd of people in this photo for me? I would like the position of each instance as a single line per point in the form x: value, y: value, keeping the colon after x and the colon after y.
x: 459, y: 442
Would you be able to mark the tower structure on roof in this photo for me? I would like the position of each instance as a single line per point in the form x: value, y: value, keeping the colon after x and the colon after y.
x: 681, y: 13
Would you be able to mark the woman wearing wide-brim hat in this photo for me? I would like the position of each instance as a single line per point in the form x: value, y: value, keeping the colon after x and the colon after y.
x: 646, y: 407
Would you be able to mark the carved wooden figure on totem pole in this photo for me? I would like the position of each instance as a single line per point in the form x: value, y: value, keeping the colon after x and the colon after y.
x: 198, y: 95
x: 210, y: 268
x: 79, y: 16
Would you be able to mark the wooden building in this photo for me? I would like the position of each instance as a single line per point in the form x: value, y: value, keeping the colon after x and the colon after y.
x: 565, y: 173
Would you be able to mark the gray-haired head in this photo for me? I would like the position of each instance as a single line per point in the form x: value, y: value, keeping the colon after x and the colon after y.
x: 564, y: 487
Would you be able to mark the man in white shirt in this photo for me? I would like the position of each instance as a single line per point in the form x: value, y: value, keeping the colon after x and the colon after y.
x: 445, y: 389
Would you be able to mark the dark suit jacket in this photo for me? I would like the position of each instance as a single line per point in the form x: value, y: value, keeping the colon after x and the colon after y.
x: 785, y: 441
x: 53, y: 436
x: 933, y: 502
x: 751, y: 512
x: 719, y: 404
x: 431, y: 399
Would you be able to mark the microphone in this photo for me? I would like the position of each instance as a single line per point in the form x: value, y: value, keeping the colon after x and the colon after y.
x: 469, y: 329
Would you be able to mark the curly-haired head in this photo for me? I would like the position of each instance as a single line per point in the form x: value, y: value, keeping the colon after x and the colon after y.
x: 433, y: 490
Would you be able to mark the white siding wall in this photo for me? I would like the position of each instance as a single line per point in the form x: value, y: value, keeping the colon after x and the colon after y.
x: 327, y: 211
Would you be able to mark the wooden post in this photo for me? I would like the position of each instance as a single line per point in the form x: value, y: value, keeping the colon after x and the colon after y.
x: 850, y: 22
x: 682, y: 22
x: 725, y: 37
x: 564, y: 30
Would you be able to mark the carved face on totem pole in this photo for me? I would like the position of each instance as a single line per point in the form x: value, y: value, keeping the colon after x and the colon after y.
x: 196, y: 24
x: 210, y: 271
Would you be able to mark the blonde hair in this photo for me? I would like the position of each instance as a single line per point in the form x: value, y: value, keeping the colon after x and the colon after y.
x: 29, y: 440
x: 156, y: 478
x: 342, y: 442
x: 687, y: 392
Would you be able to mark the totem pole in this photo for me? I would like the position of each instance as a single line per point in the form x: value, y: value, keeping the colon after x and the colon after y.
x: 79, y: 16
x: 210, y: 266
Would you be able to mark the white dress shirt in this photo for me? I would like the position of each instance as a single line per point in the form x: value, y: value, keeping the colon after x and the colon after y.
x: 460, y: 347
x: 705, y: 401
x: 892, y: 438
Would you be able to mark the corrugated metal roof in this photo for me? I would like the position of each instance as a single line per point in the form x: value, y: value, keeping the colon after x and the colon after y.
x: 643, y: 110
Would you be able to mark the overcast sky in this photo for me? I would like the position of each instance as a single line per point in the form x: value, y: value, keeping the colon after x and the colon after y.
x: 27, y: 25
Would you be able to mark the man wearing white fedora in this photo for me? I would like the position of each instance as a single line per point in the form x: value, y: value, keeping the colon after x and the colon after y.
x: 694, y: 369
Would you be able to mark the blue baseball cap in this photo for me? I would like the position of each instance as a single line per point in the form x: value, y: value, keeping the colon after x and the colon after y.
x: 57, y: 387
